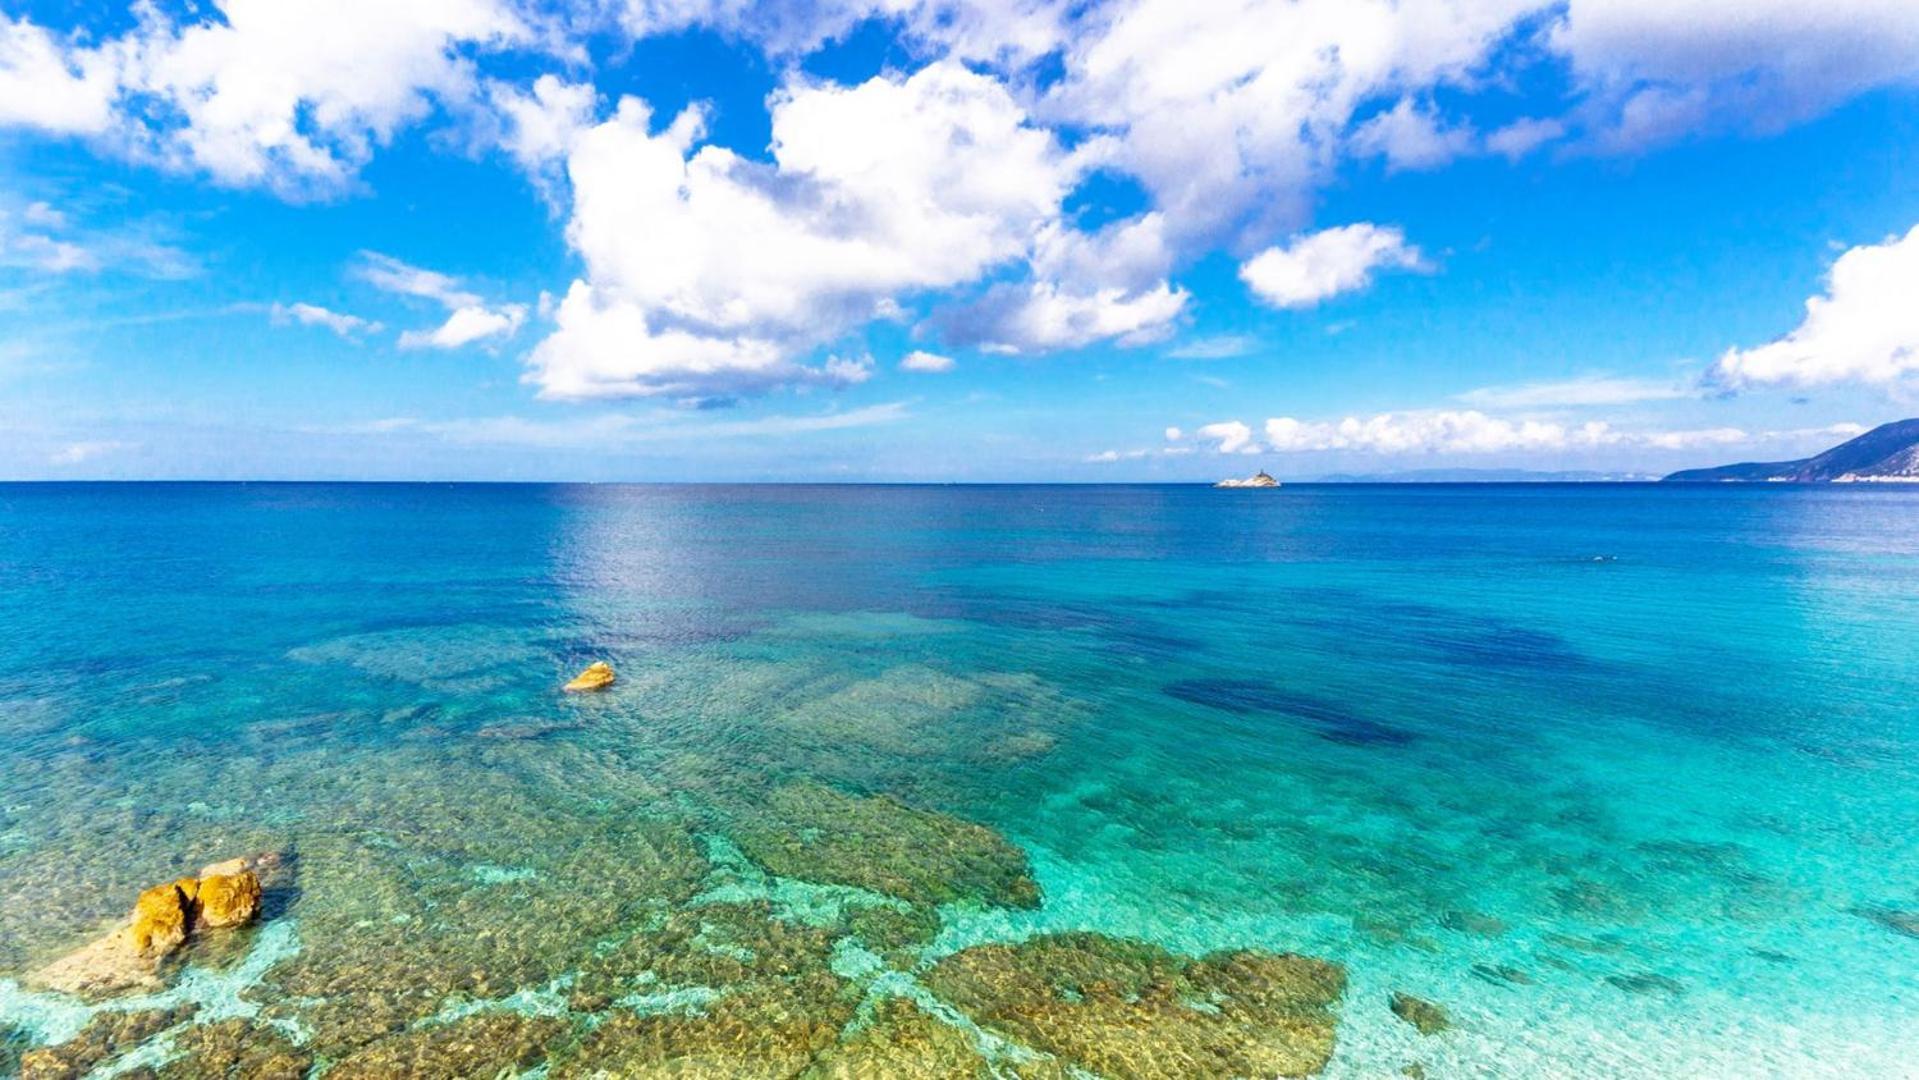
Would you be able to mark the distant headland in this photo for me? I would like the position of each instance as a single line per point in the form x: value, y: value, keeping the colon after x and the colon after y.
x: 1888, y: 453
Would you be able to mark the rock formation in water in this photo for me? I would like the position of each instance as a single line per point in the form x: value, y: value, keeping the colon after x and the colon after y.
x: 597, y: 676
x: 223, y: 895
x: 1257, y: 480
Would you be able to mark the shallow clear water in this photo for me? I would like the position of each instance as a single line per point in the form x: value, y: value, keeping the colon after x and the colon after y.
x: 1618, y: 775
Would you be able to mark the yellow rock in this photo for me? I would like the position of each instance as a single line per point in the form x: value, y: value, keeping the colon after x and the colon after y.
x: 229, y: 899
x: 190, y: 889
x: 597, y: 676
x: 159, y: 921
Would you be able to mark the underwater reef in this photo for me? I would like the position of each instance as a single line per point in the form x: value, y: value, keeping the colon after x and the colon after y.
x: 788, y: 930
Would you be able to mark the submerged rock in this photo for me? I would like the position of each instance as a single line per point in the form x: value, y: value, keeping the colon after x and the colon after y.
x: 816, y: 833
x: 486, y: 1045
x: 1647, y: 982
x: 1429, y: 1018
x: 897, y: 936
x: 1126, y: 1008
x: 235, y: 1049
x: 107, y: 1036
x: 720, y: 991
x: 1473, y: 922
x: 1501, y: 975
x: 597, y: 676
x: 1897, y: 920
x: 901, y: 1042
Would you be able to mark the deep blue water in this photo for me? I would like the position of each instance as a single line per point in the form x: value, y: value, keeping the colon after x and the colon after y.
x: 1655, y: 749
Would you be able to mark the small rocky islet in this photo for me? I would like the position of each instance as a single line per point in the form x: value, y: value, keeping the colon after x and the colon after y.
x: 788, y: 934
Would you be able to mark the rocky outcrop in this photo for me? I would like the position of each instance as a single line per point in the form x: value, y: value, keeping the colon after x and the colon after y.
x: 224, y: 895
x: 227, y: 900
x: 1257, y: 480
x: 160, y: 919
x: 597, y: 676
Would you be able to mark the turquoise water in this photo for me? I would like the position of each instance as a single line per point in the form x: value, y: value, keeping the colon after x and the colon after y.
x: 1623, y: 777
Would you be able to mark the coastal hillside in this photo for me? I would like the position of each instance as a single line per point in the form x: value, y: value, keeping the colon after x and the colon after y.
x: 1889, y: 452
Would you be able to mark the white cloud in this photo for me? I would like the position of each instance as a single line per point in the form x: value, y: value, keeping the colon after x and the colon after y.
x: 391, y: 275
x: 1580, y: 391
x: 346, y: 326
x: 1460, y: 432
x: 41, y: 237
x: 1522, y: 137
x: 1316, y: 266
x: 1086, y: 287
x: 539, y: 125
x: 1442, y: 431
x: 708, y: 273
x: 1411, y: 136
x: 54, y: 85
x: 1217, y: 347
x: 1865, y: 329
x: 1228, y: 437
x: 469, y: 317
x: 1231, y: 112
x: 926, y: 362
x: 290, y: 94
x: 467, y: 325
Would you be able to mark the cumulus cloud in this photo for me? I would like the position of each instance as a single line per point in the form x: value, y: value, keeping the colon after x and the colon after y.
x: 711, y: 273
x: 54, y: 84
x: 1411, y: 136
x: 289, y: 94
x: 538, y: 125
x: 1864, y: 329
x: 925, y: 362
x: 1227, y: 436
x: 1085, y: 287
x: 1316, y: 266
x: 347, y: 326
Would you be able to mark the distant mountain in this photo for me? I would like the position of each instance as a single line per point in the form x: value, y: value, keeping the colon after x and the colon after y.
x: 1480, y: 476
x: 1889, y: 452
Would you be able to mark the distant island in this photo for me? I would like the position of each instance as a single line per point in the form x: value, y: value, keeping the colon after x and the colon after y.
x: 1888, y: 453
x: 1259, y: 479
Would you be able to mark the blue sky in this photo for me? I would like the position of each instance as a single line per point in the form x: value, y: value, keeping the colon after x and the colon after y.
x: 990, y: 240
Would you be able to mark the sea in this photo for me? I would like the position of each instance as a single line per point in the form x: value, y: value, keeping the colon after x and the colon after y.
x: 1623, y: 778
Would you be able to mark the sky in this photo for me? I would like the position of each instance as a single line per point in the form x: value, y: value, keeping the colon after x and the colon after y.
x: 950, y: 240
